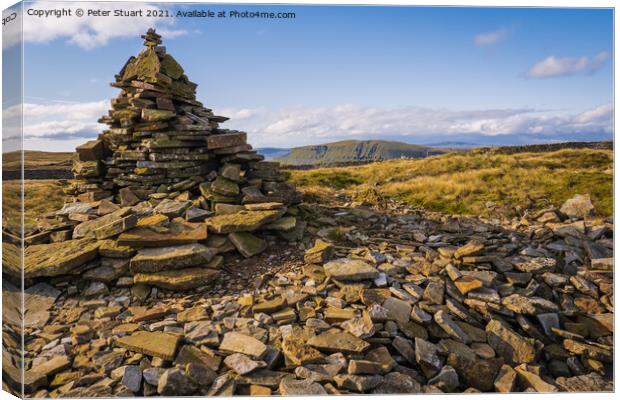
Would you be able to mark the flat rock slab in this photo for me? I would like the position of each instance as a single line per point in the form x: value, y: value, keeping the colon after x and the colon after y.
x: 269, y: 306
x: 399, y: 310
x: 294, y: 387
x: 283, y: 224
x: 247, y: 244
x: 235, y: 342
x: 226, y: 140
x: 38, y: 299
x: 88, y: 228
x: 348, y: 269
x: 445, y: 321
x: 508, y: 344
x: 172, y: 208
x: 242, y: 364
x: 172, y: 257
x: 155, y: 344
x: 592, y: 382
x: 116, y: 227
x: 78, y: 208
x: 178, y: 233
x: 470, y: 249
x: 58, y: 258
x: 51, y: 366
x: 297, y: 352
x: 535, y: 264
x: 243, y: 221
x: 338, y: 342
x: 193, y: 355
x: 12, y: 305
x: 263, y: 206
x: 178, y: 279
x: 319, y: 253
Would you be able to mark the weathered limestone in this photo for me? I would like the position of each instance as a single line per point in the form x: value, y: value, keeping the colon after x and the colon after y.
x: 58, y: 258
x: 508, y: 344
x: 338, y: 342
x: 179, y: 279
x: 235, y: 342
x: 350, y: 270
x: 247, y: 244
x: 243, y: 221
x: 166, y: 258
x: 177, y: 233
x: 156, y: 344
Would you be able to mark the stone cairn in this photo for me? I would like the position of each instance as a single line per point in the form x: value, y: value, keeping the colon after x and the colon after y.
x: 162, y: 142
x: 151, y: 186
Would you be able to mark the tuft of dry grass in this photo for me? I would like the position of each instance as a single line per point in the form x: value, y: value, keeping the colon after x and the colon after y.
x: 465, y: 183
x: 40, y: 197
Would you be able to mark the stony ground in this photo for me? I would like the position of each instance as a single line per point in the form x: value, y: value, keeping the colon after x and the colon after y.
x: 372, y: 301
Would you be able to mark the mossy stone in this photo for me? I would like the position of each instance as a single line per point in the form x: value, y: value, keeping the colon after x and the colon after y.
x: 170, y: 67
x: 224, y: 186
x: 146, y: 65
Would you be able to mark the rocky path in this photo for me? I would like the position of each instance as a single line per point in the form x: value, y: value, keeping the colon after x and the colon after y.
x: 393, y: 301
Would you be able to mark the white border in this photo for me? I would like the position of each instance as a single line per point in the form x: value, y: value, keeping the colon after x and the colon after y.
x: 474, y: 3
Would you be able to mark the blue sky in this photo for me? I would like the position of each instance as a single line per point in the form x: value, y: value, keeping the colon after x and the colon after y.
x: 420, y: 75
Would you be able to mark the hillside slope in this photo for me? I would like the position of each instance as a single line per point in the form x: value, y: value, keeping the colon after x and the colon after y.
x: 354, y: 151
x: 35, y: 160
x: 473, y: 183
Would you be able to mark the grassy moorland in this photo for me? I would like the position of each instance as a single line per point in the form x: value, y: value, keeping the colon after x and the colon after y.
x: 468, y: 183
x: 34, y: 160
x: 455, y: 183
x: 40, y: 196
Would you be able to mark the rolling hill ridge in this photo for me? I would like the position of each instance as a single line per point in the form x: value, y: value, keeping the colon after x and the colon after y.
x: 355, y: 151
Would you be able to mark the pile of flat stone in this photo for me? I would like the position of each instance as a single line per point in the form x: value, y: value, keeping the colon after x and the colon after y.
x: 164, y: 144
x: 384, y: 303
x: 170, y: 244
x: 152, y: 186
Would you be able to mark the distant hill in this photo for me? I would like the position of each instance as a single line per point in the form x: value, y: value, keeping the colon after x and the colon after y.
x: 272, y: 152
x: 34, y: 159
x: 37, y: 165
x: 349, y: 151
x: 454, y: 144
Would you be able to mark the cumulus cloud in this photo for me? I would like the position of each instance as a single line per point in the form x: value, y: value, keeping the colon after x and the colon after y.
x: 89, y: 32
x: 293, y: 126
x: 565, y: 66
x: 57, y: 121
x: 297, y: 124
x: 237, y: 114
x: 311, y: 125
x: 491, y: 38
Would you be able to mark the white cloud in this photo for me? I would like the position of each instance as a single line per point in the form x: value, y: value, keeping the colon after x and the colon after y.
x: 491, y: 38
x: 237, y: 114
x: 565, y: 66
x: 89, y: 32
x: 59, y: 123
x: 311, y: 125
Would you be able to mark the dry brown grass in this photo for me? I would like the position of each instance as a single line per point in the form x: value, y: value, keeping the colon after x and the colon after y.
x: 40, y: 196
x: 465, y: 183
x: 37, y: 160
